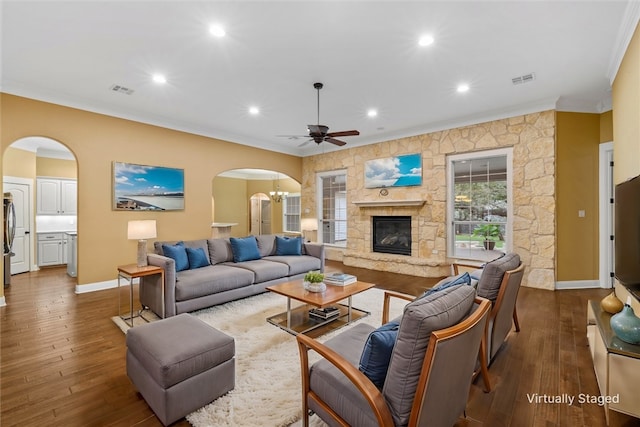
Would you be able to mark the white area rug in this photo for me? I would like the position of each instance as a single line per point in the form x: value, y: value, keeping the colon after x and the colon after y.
x: 268, y: 385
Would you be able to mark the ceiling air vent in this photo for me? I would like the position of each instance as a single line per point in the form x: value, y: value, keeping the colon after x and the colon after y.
x: 121, y: 89
x: 523, y: 79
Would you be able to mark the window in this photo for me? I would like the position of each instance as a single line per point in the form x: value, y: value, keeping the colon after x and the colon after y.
x: 332, y: 207
x: 291, y: 213
x: 479, y: 204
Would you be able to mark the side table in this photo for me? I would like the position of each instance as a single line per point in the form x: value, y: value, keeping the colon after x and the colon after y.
x: 130, y: 272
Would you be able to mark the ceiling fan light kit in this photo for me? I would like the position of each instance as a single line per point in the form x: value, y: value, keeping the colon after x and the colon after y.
x: 320, y: 133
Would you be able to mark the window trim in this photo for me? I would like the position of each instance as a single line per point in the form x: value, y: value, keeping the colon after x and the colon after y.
x: 285, y: 206
x: 319, y: 206
x: 508, y: 152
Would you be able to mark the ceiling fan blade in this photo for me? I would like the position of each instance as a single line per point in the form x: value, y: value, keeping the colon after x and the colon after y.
x: 305, y: 143
x: 292, y: 136
x: 344, y: 133
x: 335, y: 141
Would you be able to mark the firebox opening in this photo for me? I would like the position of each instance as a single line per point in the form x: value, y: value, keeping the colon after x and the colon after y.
x: 392, y: 234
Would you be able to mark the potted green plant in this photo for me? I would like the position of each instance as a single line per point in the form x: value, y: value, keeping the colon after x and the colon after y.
x: 490, y: 232
x: 313, y: 281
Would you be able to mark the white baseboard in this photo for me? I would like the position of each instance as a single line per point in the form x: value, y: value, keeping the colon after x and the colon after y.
x: 98, y: 286
x: 578, y: 284
x: 3, y: 302
x: 101, y: 286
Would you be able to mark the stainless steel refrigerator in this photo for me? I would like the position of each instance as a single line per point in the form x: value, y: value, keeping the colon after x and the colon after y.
x: 9, y: 219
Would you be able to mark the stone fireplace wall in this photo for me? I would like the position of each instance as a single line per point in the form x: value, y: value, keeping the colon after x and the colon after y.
x: 532, y: 137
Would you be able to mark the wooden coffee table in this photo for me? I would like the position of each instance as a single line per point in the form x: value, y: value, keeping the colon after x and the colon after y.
x: 297, y: 320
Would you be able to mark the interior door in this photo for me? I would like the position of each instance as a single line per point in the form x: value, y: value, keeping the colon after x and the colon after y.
x: 21, y: 193
x: 265, y: 211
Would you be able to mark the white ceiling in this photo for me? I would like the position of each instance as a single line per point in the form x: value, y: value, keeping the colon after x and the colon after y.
x: 365, y: 52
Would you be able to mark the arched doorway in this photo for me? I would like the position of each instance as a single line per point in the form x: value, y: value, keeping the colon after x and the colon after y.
x: 40, y: 174
x: 242, y: 197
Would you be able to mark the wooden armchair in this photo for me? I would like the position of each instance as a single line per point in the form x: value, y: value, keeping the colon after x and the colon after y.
x: 499, y: 282
x: 429, y: 374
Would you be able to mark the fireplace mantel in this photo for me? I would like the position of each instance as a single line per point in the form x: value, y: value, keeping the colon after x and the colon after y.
x: 383, y: 203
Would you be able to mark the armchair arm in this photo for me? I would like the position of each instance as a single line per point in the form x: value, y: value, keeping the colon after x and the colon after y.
x: 457, y: 265
x: 369, y: 391
x: 387, y: 299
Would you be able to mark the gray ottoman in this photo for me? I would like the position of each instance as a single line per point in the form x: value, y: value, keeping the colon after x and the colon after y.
x: 180, y: 364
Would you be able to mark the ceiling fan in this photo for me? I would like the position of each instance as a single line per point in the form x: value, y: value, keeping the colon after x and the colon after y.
x: 320, y: 133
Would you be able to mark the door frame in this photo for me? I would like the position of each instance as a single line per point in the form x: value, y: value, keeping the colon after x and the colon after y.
x: 30, y: 183
x: 606, y: 218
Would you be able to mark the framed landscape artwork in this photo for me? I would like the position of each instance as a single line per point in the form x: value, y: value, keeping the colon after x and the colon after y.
x: 397, y: 171
x: 147, y: 188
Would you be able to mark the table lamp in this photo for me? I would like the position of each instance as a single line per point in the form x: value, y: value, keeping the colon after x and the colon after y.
x: 140, y: 231
x: 308, y: 225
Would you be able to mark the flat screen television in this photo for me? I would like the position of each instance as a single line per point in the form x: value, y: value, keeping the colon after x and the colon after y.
x: 627, y: 232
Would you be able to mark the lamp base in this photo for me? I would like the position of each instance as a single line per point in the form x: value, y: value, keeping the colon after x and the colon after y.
x: 142, y: 253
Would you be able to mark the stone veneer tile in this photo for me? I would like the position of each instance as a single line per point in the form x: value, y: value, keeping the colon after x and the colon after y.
x: 532, y: 137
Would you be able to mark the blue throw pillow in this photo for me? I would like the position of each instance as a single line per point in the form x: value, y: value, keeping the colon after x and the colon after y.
x: 178, y: 253
x: 245, y: 249
x: 463, y: 279
x: 288, y: 245
x: 197, y: 258
x: 376, y: 354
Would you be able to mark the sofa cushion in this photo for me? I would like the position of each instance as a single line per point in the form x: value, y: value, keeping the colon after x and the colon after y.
x: 197, y: 258
x: 266, y: 244
x: 178, y: 253
x: 420, y: 317
x: 210, y: 280
x: 297, y: 264
x: 244, y: 249
x: 376, y: 354
x: 263, y: 270
x: 492, y: 273
x: 288, y: 245
x: 219, y: 251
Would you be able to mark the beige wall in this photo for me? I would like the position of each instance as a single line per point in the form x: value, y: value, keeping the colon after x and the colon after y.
x: 57, y: 168
x: 577, y: 188
x: 19, y: 163
x: 626, y: 113
x: 97, y: 140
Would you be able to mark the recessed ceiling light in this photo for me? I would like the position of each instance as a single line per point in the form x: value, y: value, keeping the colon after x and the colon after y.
x: 217, y: 31
x: 426, y: 40
x: 463, y: 87
x: 254, y: 111
x: 159, y: 78
x: 372, y: 113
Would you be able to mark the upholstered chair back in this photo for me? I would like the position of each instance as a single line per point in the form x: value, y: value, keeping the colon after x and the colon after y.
x: 407, y: 378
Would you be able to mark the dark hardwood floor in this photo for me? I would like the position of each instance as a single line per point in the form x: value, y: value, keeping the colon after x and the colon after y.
x: 63, y: 359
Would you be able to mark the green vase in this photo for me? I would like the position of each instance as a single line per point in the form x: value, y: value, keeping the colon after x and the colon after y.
x: 626, y: 325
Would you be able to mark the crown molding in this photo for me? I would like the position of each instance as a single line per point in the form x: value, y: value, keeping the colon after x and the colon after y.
x: 627, y: 28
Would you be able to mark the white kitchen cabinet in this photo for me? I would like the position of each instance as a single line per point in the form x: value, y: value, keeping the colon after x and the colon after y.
x: 51, y: 249
x: 55, y: 196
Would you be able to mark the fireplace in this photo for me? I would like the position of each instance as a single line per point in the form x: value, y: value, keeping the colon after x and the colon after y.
x: 391, y: 234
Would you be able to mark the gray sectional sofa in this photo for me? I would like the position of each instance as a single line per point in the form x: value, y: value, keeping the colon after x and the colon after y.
x: 220, y: 275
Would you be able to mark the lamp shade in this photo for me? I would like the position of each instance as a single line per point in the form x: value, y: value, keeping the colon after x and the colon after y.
x: 142, y: 229
x: 309, y: 224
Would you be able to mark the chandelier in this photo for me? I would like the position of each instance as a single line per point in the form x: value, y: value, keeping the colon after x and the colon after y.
x: 277, y: 195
